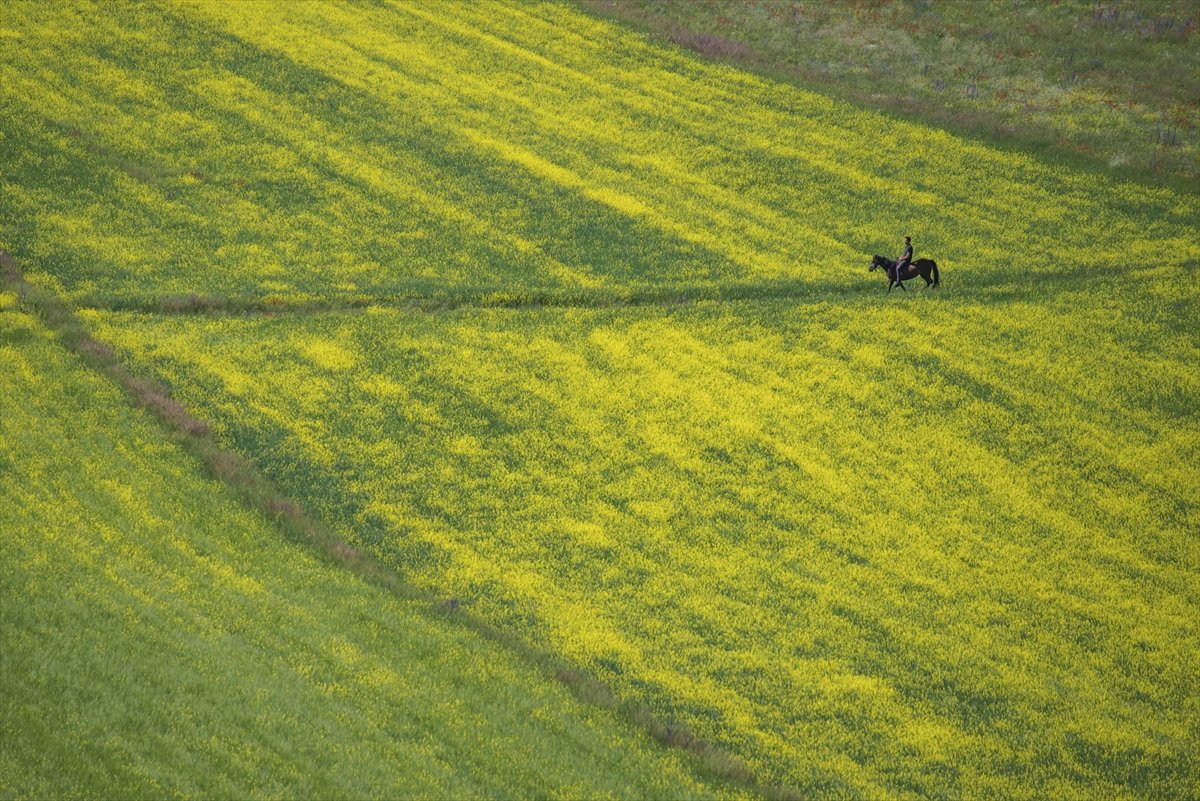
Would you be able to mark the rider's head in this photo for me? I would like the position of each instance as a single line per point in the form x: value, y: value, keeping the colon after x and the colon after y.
x: 907, y: 240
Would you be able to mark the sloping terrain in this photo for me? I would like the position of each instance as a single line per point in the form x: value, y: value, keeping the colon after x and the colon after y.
x: 917, y: 545
x: 968, y: 561
x: 160, y: 640
x: 1113, y: 86
x: 389, y: 151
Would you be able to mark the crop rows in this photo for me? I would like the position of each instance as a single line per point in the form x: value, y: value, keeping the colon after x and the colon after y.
x: 966, y: 562
x: 921, y: 546
x: 159, y: 640
x: 455, y: 149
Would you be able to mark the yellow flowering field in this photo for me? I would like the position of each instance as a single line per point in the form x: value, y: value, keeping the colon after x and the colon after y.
x: 161, y: 641
x: 346, y: 152
x: 575, y: 330
x: 966, y: 565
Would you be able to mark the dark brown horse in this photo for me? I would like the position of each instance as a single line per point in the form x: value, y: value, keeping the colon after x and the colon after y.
x: 922, y: 267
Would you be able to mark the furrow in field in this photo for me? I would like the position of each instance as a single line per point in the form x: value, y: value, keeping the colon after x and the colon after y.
x: 164, y: 640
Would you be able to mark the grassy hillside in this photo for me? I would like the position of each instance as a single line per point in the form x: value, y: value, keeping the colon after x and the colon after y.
x: 918, y: 545
x: 476, y: 151
x: 160, y: 640
x: 968, y: 562
x: 1115, y: 85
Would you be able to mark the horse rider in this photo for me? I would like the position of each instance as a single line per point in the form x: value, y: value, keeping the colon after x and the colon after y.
x: 905, y: 258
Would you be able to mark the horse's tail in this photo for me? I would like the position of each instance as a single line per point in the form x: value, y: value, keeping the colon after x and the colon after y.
x: 936, y: 279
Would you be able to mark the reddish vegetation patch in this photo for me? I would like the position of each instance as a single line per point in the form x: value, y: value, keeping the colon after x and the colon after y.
x: 345, y: 552
x: 95, y: 347
x: 156, y: 399
x: 225, y: 465
x: 8, y: 264
x: 281, y: 507
x: 709, y: 45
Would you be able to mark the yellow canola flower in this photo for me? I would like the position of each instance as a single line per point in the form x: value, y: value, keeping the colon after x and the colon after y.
x: 764, y: 520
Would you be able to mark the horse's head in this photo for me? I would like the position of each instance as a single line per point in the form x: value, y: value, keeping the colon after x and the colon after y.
x: 876, y: 263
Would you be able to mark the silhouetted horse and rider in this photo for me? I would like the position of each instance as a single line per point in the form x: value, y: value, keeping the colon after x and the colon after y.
x: 904, y: 268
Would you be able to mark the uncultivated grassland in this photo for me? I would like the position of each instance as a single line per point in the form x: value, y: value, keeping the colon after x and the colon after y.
x: 161, y: 641
x: 934, y: 545
x: 1114, y: 84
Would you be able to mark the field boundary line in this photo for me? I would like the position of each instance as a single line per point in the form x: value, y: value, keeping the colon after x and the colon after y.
x: 1075, y: 278
x: 218, y: 306
x: 259, y: 493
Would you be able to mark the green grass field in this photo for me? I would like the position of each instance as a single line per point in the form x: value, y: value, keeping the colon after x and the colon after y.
x: 575, y: 330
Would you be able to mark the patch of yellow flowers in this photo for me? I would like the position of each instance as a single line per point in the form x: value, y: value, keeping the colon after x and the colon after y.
x: 862, y: 565
x: 939, y: 546
x: 204, y: 655
x: 288, y: 151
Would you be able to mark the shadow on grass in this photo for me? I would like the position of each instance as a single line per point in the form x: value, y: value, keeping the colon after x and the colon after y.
x: 259, y: 493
